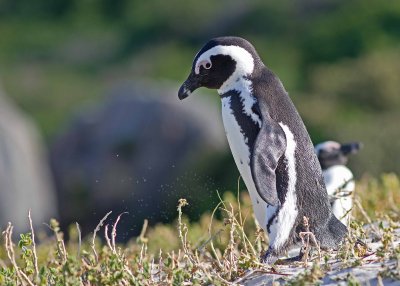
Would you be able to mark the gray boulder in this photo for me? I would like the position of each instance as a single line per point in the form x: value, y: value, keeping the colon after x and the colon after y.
x: 25, y: 180
x: 133, y: 152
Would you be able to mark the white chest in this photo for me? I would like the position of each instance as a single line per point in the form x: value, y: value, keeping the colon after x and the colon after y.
x: 338, y: 177
x: 339, y: 183
x: 241, y: 154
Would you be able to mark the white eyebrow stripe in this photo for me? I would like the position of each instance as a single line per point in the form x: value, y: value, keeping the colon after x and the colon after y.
x: 244, y: 60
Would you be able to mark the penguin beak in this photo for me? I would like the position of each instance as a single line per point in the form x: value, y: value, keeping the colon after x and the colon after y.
x: 351, y: 148
x: 191, y: 84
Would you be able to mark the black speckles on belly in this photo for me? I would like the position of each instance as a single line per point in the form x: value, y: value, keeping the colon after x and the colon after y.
x: 241, y: 162
x: 248, y: 127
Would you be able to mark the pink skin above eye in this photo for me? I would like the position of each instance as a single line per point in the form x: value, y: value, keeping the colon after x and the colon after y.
x: 204, y: 63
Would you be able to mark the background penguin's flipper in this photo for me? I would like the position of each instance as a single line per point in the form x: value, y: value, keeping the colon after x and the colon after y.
x: 268, y: 148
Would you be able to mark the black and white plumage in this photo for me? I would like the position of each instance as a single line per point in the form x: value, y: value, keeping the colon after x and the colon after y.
x: 269, y: 142
x: 339, y: 180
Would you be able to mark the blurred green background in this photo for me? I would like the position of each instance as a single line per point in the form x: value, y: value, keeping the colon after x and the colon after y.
x: 338, y: 59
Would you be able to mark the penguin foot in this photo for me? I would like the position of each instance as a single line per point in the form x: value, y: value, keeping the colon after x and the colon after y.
x: 269, y: 257
x: 290, y: 260
x: 294, y: 259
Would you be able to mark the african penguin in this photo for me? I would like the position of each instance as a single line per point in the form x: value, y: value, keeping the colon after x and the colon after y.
x: 269, y: 142
x: 339, y: 180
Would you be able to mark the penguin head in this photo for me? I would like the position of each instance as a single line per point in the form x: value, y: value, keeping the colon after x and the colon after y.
x: 331, y: 153
x: 219, y: 64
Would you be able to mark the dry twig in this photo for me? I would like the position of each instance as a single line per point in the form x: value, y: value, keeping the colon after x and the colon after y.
x: 11, y: 256
x: 79, y: 240
x: 100, y: 224
x: 114, y: 232
x: 35, y: 259
x: 306, y: 245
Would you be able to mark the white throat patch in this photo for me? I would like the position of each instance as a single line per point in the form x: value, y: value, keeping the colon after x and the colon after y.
x: 244, y: 63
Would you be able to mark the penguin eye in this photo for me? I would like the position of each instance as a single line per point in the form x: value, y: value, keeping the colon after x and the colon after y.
x: 206, y: 64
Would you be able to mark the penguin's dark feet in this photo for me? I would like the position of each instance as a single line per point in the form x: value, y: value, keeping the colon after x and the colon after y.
x: 269, y: 257
x: 298, y: 258
x: 290, y: 260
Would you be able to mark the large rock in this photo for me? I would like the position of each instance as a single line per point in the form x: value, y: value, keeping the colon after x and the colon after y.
x: 25, y: 181
x: 133, y: 152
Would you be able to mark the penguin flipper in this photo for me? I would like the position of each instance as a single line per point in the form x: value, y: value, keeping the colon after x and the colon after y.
x: 268, y: 148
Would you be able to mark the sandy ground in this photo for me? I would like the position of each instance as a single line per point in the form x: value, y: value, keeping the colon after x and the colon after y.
x: 339, y: 273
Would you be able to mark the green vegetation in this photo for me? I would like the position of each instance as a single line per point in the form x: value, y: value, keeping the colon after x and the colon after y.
x: 212, y: 250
